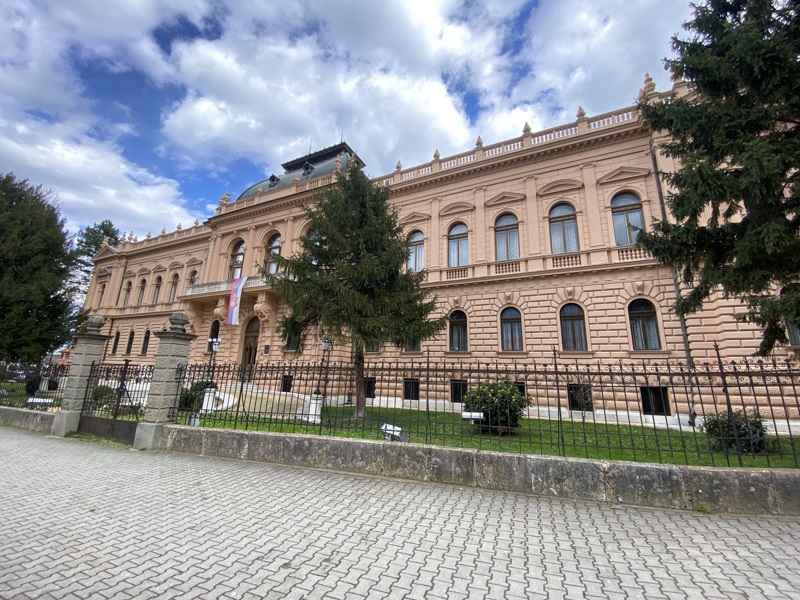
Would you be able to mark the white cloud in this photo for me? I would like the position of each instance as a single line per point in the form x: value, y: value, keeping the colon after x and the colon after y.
x: 390, y: 75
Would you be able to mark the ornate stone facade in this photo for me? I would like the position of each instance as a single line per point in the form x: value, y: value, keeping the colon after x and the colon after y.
x: 527, y: 242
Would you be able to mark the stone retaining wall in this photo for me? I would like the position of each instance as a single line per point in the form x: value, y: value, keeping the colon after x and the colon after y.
x: 729, y: 490
x: 35, y: 420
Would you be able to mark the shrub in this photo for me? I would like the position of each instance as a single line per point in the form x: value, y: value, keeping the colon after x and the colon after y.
x: 749, y: 429
x: 103, y: 395
x: 32, y: 384
x: 501, y: 403
x: 192, y: 397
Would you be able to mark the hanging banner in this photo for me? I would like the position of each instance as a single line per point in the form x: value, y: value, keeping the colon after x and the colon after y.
x: 235, y: 299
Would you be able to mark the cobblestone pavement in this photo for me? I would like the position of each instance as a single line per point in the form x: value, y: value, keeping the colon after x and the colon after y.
x: 81, y: 519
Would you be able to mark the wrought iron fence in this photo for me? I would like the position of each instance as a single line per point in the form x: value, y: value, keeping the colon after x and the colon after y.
x: 117, y: 391
x: 744, y: 413
x: 31, y: 385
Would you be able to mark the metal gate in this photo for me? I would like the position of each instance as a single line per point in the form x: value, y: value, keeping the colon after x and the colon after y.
x: 114, y: 402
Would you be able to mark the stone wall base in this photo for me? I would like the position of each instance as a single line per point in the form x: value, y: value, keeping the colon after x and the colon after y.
x: 726, y: 490
x: 34, y: 420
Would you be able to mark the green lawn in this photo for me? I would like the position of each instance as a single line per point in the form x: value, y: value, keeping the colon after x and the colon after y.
x: 534, y: 436
x: 17, y: 396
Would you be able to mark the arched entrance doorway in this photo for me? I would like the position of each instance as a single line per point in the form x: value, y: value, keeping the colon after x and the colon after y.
x: 250, y: 346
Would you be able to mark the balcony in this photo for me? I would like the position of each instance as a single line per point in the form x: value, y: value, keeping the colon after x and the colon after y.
x: 216, y: 287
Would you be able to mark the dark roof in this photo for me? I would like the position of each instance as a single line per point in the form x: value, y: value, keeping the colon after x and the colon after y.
x: 320, y: 156
x: 311, y: 166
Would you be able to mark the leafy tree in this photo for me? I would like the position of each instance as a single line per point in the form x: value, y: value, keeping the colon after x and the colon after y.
x: 349, y: 283
x: 737, y: 138
x: 89, y: 241
x: 35, y: 263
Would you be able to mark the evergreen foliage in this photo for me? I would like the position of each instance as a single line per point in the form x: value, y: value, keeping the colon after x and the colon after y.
x: 89, y: 242
x: 349, y: 283
x: 35, y: 264
x: 735, y: 204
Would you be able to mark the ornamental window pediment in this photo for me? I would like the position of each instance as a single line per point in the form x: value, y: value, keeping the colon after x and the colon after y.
x: 194, y: 262
x: 143, y: 271
x: 505, y: 198
x: 456, y: 208
x: 159, y: 268
x: 414, y: 217
x: 623, y: 174
x: 176, y: 265
x: 562, y: 186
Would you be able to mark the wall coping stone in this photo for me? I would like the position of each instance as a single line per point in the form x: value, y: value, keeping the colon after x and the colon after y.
x: 716, y: 489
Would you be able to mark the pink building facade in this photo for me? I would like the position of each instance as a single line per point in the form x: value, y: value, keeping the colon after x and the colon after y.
x: 527, y: 245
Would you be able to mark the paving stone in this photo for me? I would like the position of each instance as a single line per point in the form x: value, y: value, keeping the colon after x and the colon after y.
x: 95, y: 520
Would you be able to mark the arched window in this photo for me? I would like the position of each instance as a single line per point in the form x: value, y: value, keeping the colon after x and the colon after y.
x: 140, y: 299
x: 506, y: 238
x: 416, y: 252
x: 626, y: 210
x: 127, y: 297
x: 644, y: 325
x: 458, y: 331
x: 115, y: 345
x: 102, y: 293
x: 458, y: 255
x: 213, y: 334
x: 173, y: 288
x: 563, y: 229
x: 511, y: 330
x: 237, y: 260
x: 156, y: 290
x: 129, y: 347
x: 146, y: 341
x: 193, y: 278
x: 573, y: 328
x: 273, y: 249
x: 792, y: 329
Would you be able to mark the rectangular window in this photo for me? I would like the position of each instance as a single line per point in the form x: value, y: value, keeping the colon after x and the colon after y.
x: 458, y: 390
x: 369, y: 387
x: 413, y: 345
x: 374, y: 349
x: 580, y: 397
x: 286, y: 385
x: 292, y: 343
x: 794, y: 333
x: 520, y: 385
x: 410, y: 389
x: 654, y: 401
x: 512, y: 336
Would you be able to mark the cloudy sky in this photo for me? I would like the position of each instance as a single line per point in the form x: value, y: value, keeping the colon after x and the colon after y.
x: 146, y: 111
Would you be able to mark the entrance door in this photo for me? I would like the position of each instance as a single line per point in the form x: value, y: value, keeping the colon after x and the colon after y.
x: 250, y: 349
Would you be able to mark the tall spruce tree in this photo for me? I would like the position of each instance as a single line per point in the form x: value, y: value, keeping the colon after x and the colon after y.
x: 89, y: 241
x: 349, y: 283
x: 735, y: 204
x: 35, y: 263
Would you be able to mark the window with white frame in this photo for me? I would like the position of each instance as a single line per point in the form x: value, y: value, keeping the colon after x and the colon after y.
x: 573, y: 328
x: 563, y: 229
x: 644, y: 325
x: 237, y: 260
x: 457, y: 243
x: 506, y: 238
x: 416, y: 252
x: 626, y: 211
x: 273, y: 250
x: 458, y: 331
x: 511, y: 330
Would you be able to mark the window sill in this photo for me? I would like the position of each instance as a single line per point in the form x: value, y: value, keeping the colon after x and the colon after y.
x: 457, y: 353
x: 413, y: 353
x: 576, y: 353
x: 649, y: 353
x: 501, y: 353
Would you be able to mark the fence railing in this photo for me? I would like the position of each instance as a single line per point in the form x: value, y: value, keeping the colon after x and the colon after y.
x: 30, y: 385
x: 740, y: 413
x: 117, y: 391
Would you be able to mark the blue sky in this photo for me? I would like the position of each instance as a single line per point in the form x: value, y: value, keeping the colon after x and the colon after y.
x: 145, y: 112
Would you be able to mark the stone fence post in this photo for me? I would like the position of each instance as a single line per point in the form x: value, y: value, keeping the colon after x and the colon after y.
x: 88, y: 349
x: 173, y: 351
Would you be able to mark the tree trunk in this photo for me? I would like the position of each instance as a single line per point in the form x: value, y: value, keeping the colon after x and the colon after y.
x: 361, y: 399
